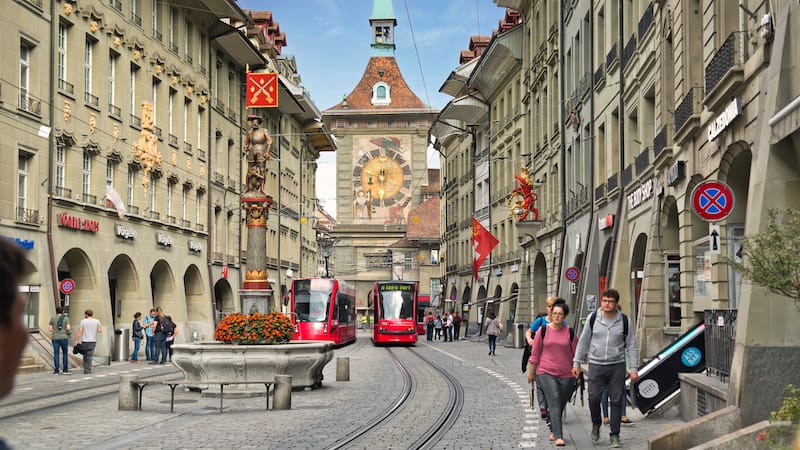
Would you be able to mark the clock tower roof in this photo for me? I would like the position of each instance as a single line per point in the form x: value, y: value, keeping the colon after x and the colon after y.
x: 381, y: 71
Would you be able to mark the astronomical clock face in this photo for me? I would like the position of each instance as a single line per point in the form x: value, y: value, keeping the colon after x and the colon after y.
x: 381, y: 177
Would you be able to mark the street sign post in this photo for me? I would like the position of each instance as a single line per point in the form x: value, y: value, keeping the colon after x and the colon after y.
x: 714, y: 239
x: 712, y: 200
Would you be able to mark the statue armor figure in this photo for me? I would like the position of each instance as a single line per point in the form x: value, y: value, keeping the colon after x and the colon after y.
x: 257, y: 145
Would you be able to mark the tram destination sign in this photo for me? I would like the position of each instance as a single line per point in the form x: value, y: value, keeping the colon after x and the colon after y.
x: 395, y: 287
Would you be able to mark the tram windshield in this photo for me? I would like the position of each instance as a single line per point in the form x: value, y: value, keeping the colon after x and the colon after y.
x: 312, y: 303
x: 397, y: 305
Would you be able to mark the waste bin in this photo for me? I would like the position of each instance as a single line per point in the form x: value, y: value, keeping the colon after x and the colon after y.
x: 122, y: 345
x: 519, y: 335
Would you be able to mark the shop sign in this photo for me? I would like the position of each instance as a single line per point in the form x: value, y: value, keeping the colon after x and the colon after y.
x: 124, y: 233
x: 163, y: 239
x: 676, y: 172
x: 195, y: 246
x: 723, y: 120
x: 606, y: 221
x: 76, y: 223
x: 640, y: 195
x: 24, y: 243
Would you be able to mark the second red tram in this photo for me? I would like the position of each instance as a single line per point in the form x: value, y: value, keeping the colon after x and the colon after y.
x: 395, y: 312
x: 323, y: 309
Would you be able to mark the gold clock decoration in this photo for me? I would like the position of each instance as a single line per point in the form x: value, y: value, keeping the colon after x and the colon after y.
x: 383, y: 174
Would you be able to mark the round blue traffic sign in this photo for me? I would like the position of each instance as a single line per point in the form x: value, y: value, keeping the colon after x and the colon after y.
x: 66, y: 286
x: 573, y: 274
x: 712, y: 200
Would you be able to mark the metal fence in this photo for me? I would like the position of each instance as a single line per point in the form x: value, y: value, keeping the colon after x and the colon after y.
x: 720, y: 341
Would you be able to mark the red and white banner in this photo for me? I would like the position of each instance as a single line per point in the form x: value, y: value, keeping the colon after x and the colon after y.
x: 262, y: 90
x: 482, y: 244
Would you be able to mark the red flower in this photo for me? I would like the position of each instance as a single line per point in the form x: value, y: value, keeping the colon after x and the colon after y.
x: 256, y: 328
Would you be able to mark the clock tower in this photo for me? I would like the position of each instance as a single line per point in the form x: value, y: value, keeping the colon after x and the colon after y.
x: 381, y: 127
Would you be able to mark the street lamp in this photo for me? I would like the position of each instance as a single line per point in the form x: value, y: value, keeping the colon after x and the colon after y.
x: 325, y: 244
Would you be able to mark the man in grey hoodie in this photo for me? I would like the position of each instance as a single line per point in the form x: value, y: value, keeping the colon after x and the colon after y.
x: 605, y: 343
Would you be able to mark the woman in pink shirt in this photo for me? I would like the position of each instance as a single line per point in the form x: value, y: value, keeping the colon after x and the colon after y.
x: 551, y: 361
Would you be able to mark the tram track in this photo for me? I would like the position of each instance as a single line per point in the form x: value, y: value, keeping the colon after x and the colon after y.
x: 436, y: 429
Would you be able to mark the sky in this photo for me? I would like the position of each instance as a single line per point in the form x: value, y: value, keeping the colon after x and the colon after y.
x: 330, y: 42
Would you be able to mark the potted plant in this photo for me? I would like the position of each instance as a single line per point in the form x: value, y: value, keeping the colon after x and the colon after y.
x: 256, y: 328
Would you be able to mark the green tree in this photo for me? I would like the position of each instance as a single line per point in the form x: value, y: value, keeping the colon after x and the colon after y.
x: 771, y: 258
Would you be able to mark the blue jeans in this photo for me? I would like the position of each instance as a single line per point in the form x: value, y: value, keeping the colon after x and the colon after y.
x: 137, y: 342
x: 604, y: 403
x: 60, y: 345
x: 492, y: 343
x: 150, y: 348
x: 160, y: 347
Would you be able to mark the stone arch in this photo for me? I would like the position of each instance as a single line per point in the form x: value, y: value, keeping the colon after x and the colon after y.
x: 668, y: 220
x: 124, y: 290
x: 162, y: 291
x: 734, y: 169
x: 77, y: 265
x: 638, y: 257
x: 223, y: 299
x: 512, y: 302
x: 197, y: 305
x: 605, y: 263
x: 539, y: 284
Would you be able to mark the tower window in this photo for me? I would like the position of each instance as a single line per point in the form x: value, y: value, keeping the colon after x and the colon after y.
x: 381, y: 94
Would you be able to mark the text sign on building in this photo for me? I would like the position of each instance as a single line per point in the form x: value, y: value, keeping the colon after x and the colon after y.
x: 676, y: 172
x: 76, y: 223
x: 712, y: 200
x: 164, y: 240
x: 125, y: 233
x: 640, y: 194
x: 723, y: 120
x: 195, y: 246
x: 604, y: 222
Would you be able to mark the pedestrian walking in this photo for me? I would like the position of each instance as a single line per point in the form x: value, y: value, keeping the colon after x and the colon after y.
x: 170, y: 331
x: 493, y: 329
x: 604, y: 340
x: 60, y: 328
x: 150, y: 343
x: 551, y: 366
x: 138, y: 335
x: 456, y: 325
x: 539, y: 322
x: 437, y: 325
x: 448, y: 327
x: 87, y: 337
x: 429, y: 327
x: 13, y: 332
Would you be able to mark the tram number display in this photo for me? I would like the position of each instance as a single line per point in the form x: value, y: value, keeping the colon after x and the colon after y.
x: 395, y: 287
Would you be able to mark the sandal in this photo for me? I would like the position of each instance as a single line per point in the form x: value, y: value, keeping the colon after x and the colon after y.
x: 552, y: 437
x: 560, y: 442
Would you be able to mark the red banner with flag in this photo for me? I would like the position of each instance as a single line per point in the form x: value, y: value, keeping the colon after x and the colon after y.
x: 262, y: 90
x: 482, y: 244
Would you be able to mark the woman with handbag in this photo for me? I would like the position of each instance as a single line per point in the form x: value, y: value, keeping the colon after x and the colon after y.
x: 138, y: 335
x: 551, y: 365
x: 493, y: 329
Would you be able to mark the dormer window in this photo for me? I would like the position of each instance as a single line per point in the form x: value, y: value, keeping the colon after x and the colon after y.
x: 381, y: 94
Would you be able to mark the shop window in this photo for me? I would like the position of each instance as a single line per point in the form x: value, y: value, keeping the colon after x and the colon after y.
x: 673, y: 289
x: 30, y: 317
x: 702, y: 269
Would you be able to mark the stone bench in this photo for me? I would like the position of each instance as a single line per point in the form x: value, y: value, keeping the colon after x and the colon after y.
x: 141, y: 384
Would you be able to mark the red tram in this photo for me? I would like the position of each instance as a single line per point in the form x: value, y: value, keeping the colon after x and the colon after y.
x: 395, y: 319
x: 323, y: 309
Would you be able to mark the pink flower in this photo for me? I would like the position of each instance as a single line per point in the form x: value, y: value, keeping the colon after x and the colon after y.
x: 761, y: 436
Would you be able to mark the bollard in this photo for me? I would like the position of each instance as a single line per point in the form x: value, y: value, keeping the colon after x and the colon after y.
x: 282, y: 395
x: 128, y: 393
x: 343, y: 369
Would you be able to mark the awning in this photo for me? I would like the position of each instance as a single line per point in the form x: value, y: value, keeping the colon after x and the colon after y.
x: 456, y: 83
x: 503, y: 52
x: 233, y: 42
x: 443, y: 130
x: 467, y: 109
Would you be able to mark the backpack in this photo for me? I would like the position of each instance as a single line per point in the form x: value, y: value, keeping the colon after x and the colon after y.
x: 543, y: 330
x: 593, y: 317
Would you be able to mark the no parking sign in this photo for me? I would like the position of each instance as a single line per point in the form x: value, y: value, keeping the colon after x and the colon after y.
x: 712, y: 200
x: 67, y: 286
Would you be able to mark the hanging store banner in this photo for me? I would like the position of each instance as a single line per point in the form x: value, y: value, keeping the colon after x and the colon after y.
x: 262, y: 90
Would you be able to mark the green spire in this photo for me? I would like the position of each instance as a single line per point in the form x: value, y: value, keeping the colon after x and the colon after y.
x: 382, y: 10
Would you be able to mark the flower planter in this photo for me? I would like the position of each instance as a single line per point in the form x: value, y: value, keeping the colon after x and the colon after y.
x: 215, y: 361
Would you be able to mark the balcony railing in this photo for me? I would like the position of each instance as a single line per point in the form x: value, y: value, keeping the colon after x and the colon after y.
x: 89, y: 198
x: 232, y: 183
x: 66, y: 86
x: 219, y: 178
x: 173, y: 140
x: 92, y: 100
x: 136, y: 19
x: 600, y: 191
x: 628, y: 51
x: 201, y: 154
x: 230, y: 259
x: 219, y: 104
x: 612, y: 183
x: 186, y: 223
x: 173, y: 47
x: 731, y: 53
x: 646, y: 20
x: 114, y: 110
x: 25, y: 215
x: 642, y: 161
x: 720, y: 341
x: 200, y: 227
x: 157, y: 35
x: 133, y: 210
x: 155, y: 215
x: 136, y: 121
x: 188, y: 59
x: 203, y: 69
x: 216, y: 256
x: 660, y: 142
x: 157, y: 132
x: 170, y: 219
x: 62, y: 192
x: 30, y: 104
x: 37, y: 3
x: 187, y: 147
x: 689, y: 106
x: 611, y: 56
x: 626, y: 176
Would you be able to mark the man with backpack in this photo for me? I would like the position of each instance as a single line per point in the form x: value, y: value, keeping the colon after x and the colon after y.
x: 605, y: 338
